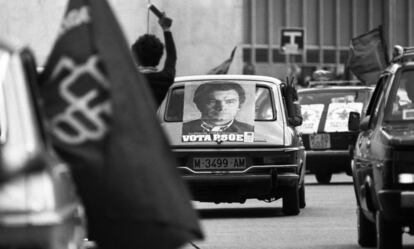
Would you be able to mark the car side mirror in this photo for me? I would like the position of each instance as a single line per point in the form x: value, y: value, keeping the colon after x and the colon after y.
x: 353, y: 121
x: 295, y: 118
x: 293, y: 107
x: 364, y: 125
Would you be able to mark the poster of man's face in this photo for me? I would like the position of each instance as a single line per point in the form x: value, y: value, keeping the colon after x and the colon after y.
x: 219, y: 108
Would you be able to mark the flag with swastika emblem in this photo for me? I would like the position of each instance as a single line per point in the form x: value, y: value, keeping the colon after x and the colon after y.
x: 102, y: 119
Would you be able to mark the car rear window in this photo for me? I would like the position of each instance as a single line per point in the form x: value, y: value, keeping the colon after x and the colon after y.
x: 264, y: 107
x: 327, y: 97
x: 328, y: 111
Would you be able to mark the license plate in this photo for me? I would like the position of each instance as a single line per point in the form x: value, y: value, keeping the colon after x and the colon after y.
x: 319, y: 141
x: 219, y: 163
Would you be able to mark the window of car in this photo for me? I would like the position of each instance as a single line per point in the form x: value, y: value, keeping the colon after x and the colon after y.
x: 334, y: 96
x: 31, y: 74
x: 400, y: 106
x: 377, y: 100
x: 328, y: 110
x: 264, y: 106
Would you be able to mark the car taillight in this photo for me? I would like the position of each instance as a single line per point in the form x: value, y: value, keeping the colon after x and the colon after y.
x: 402, y: 167
x: 28, y: 193
x: 406, y: 178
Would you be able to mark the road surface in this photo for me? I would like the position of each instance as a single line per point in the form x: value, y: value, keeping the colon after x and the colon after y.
x: 327, y: 222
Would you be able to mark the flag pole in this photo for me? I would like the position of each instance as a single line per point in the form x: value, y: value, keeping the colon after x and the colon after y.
x: 148, y: 16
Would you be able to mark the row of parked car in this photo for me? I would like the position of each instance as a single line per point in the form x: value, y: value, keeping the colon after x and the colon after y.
x: 263, y: 147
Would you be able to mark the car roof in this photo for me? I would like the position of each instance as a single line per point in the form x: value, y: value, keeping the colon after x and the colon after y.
x: 402, y: 57
x: 182, y: 79
x: 397, y: 65
x: 335, y: 88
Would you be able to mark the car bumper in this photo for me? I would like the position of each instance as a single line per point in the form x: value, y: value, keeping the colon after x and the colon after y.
x: 265, y: 180
x: 328, y: 160
x: 237, y: 188
x: 397, y: 205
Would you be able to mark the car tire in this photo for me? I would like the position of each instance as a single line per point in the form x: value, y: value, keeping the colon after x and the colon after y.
x: 302, y: 199
x: 291, y: 200
x: 367, y: 233
x: 389, y: 234
x: 323, y: 177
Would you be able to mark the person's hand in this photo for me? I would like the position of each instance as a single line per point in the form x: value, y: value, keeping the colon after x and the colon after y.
x: 165, y: 22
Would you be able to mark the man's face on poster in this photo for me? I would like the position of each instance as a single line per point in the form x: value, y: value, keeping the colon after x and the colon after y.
x: 220, y: 107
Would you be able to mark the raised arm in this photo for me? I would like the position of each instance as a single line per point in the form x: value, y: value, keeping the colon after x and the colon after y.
x: 171, y: 53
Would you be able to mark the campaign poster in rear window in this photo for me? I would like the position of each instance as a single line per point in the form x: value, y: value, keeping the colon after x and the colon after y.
x: 311, y: 115
x: 338, y: 115
x: 219, y: 111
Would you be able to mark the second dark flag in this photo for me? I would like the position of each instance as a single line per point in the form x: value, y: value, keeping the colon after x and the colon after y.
x: 368, y: 56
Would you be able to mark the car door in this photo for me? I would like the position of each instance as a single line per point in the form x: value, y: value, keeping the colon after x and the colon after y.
x: 363, y: 158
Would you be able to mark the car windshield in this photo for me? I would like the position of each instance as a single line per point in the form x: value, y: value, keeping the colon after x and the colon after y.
x: 328, y: 111
x: 401, y: 102
x: 178, y: 106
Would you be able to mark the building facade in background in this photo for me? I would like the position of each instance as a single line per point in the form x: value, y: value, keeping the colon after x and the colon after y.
x: 206, y: 31
x: 328, y: 27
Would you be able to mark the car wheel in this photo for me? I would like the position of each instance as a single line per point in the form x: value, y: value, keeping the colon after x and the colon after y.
x: 323, y: 177
x: 302, y: 199
x: 291, y: 200
x: 389, y: 234
x: 366, y: 230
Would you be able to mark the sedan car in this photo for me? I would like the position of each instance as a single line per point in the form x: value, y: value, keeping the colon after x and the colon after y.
x: 39, y: 206
x: 233, y: 141
x: 383, y: 162
x: 325, y: 109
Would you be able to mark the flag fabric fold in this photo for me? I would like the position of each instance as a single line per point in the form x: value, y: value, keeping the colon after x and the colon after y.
x: 103, y: 122
x: 368, y: 56
x: 223, y: 68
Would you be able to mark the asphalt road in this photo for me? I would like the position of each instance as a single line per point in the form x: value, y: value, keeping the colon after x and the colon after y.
x: 328, y: 221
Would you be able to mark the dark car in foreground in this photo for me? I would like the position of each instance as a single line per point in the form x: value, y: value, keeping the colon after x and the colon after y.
x: 39, y: 206
x: 383, y: 161
x: 258, y: 154
x: 325, y: 109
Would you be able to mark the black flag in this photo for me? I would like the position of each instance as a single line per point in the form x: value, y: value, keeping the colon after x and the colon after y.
x: 368, y: 56
x: 103, y: 122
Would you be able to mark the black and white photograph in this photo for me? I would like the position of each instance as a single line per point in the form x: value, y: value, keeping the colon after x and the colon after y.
x: 182, y: 124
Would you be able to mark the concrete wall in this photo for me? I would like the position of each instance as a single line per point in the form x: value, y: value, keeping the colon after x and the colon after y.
x: 205, y: 31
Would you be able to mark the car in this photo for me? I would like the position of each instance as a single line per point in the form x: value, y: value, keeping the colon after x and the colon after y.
x: 382, y: 163
x: 257, y: 155
x: 39, y: 205
x: 325, y: 108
